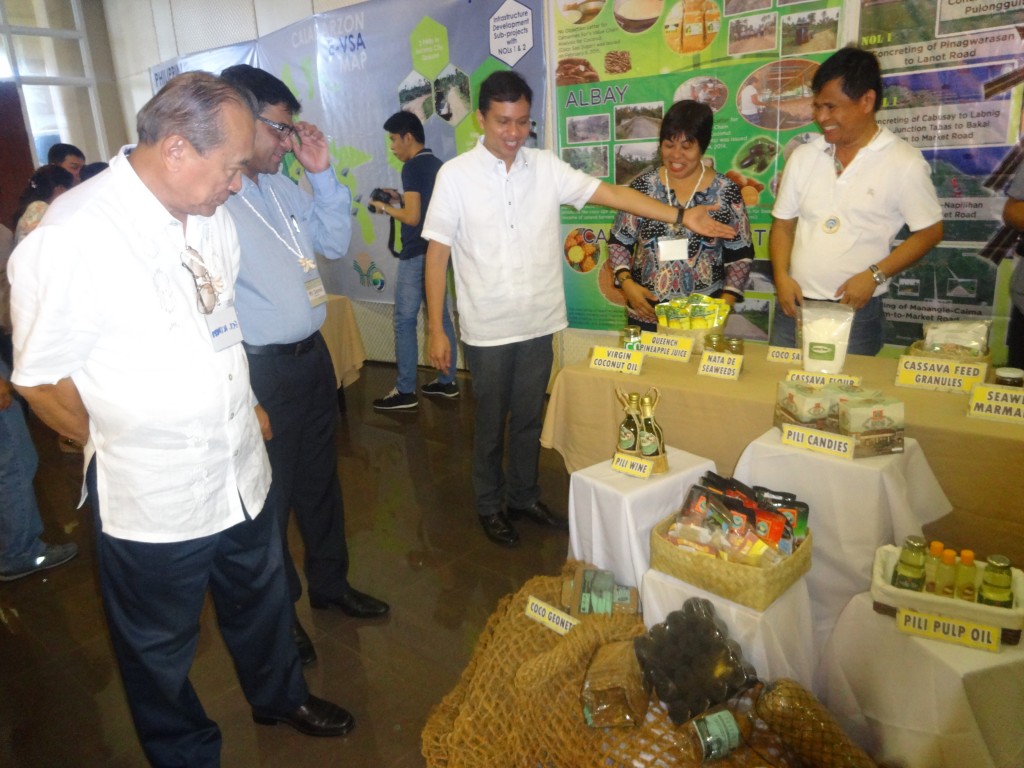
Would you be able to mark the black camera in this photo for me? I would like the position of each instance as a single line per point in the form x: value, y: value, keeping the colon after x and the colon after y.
x: 386, y: 196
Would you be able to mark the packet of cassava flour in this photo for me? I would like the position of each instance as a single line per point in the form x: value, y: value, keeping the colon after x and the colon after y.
x: 824, y: 328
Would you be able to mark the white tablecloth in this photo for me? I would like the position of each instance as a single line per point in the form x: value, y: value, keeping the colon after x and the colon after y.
x: 856, y: 506
x: 777, y: 641
x: 611, y: 515
x: 923, y: 703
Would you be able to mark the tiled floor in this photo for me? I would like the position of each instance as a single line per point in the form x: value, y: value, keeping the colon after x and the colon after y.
x: 414, y: 541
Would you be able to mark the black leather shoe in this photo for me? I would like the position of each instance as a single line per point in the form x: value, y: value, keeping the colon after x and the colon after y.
x: 540, y: 514
x: 499, y: 530
x: 307, y: 653
x: 314, y: 718
x: 353, y: 602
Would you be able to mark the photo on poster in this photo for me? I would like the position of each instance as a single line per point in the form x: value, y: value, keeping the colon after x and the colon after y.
x: 580, y: 11
x: 705, y: 90
x: 735, y: 7
x: 749, y: 319
x: 947, y: 284
x: 784, y: 91
x: 575, y: 70
x: 810, y: 32
x: 781, y: 3
x: 638, y: 121
x: 956, y: 16
x: 753, y: 34
x: 585, y: 129
x: 416, y: 95
x: 632, y: 159
x: 636, y: 16
x: 948, y: 108
x: 452, y: 97
x: 591, y: 160
x: 691, y: 27
x: 970, y: 210
x: 584, y: 249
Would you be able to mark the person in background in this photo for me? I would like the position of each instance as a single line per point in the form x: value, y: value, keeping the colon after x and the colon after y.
x: 419, y: 170
x: 843, y: 198
x: 495, y: 213
x: 125, y: 338
x: 93, y: 169
x: 653, y: 261
x: 22, y: 552
x: 280, y: 299
x: 1013, y: 216
x: 47, y: 184
x: 69, y: 157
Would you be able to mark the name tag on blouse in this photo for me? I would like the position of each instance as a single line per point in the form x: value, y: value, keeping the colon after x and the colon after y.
x: 224, y: 328
x: 673, y: 249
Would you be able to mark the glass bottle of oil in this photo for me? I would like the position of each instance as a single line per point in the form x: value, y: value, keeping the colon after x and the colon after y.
x: 909, y: 570
x: 996, y: 583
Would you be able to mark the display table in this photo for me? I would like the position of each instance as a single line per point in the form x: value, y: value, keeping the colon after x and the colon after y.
x: 611, y: 515
x: 341, y: 334
x: 856, y: 507
x: 777, y: 641
x: 717, y: 418
x: 923, y: 703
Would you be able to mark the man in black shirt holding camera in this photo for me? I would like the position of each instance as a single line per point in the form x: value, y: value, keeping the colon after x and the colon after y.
x: 418, y: 173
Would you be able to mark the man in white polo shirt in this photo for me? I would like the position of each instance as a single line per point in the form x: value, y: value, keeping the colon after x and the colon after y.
x: 495, y: 214
x: 843, y: 198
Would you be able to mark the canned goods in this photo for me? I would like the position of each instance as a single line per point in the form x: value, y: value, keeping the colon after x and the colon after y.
x: 1010, y: 377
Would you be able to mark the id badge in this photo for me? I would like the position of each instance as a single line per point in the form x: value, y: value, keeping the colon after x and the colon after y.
x: 673, y: 249
x: 224, y: 328
x: 315, y: 291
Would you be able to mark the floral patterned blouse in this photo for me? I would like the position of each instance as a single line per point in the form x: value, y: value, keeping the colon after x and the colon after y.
x: 29, y: 219
x: 713, y: 265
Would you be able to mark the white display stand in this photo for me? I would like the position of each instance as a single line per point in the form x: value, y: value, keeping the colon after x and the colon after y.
x: 856, y: 506
x: 611, y: 515
x: 922, y: 703
x: 777, y: 640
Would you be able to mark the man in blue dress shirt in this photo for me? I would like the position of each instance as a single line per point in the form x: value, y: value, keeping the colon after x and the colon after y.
x: 280, y: 302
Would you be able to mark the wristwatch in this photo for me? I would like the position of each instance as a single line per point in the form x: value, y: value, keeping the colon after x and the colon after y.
x: 877, y: 275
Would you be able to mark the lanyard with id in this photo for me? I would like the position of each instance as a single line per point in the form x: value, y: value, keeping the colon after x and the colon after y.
x: 314, y: 285
x: 677, y: 248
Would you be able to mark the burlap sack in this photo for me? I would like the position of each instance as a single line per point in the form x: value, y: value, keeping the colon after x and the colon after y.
x: 518, y: 701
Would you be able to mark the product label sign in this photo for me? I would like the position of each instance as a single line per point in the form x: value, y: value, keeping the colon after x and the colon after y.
x: 821, y: 379
x: 818, y: 440
x: 721, y: 365
x: 666, y: 346
x: 992, y: 401
x: 785, y: 355
x: 633, y: 465
x: 616, y: 359
x: 552, y: 618
x: 958, y: 631
x: 939, y: 374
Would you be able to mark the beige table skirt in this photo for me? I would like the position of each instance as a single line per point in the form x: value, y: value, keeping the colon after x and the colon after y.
x: 343, y: 340
x: 979, y: 463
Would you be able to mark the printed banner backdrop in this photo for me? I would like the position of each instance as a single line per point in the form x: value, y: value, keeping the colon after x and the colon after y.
x: 353, y: 68
x: 953, y: 71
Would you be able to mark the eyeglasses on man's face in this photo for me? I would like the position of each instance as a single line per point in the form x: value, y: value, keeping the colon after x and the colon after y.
x: 206, y: 291
x: 284, y: 130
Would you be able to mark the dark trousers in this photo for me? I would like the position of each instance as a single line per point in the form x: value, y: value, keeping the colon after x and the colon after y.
x: 1015, y: 338
x: 153, y: 594
x: 509, y: 382
x: 300, y: 395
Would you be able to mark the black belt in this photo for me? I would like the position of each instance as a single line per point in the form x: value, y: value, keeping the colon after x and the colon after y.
x: 294, y: 349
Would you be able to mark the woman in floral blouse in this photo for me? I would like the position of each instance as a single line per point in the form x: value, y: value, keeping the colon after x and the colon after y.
x: 653, y: 261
